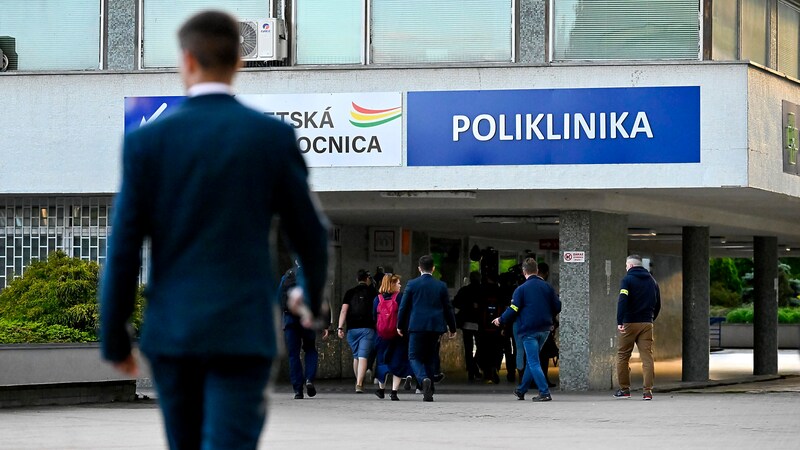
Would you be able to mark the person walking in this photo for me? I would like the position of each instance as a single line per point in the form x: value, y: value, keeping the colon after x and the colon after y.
x: 357, y: 315
x: 637, y: 307
x: 425, y: 314
x: 534, y: 304
x: 209, y: 331
x: 467, y: 302
x: 298, y: 337
x: 392, y: 349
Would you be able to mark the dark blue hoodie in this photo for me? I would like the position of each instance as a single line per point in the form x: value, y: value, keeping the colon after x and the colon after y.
x: 639, y: 297
x: 535, y: 303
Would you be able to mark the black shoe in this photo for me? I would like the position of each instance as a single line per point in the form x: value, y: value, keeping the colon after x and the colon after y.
x: 393, y: 396
x: 298, y: 395
x: 407, y: 383
x: 495, y: 378
x: 622, y: 393
x: 380, y: 393
x: 427, y: 390
x: 542, y: 398
x: 438, y: 378
x: 519, y: 395
x: 310, y: 389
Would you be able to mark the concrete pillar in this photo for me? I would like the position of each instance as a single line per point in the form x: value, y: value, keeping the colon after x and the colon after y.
x: 121, y: 35
x: 532, y: 31
x: 589, y: 292
x: 765, y: 305
x: 696, y: 303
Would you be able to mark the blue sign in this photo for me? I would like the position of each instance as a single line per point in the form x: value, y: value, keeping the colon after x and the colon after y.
x: 142, y: 110
x: 554, y: 126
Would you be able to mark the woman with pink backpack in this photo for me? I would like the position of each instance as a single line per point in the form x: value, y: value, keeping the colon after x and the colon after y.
x: 392, y: 349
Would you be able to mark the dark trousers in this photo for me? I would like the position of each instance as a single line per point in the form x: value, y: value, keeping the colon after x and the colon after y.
x: 215, y: 402
x: 298, y: 337
x: 490, y: 348
x: 422, y: 353
x: 470, y: 337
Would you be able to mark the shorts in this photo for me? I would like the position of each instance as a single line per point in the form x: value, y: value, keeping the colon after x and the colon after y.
x: 362, y: 341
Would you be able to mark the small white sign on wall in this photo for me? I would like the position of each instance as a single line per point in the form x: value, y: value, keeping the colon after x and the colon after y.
x: 574, y: 257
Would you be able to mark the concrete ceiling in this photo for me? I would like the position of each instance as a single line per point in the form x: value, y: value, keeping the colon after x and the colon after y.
x: 733, y: 215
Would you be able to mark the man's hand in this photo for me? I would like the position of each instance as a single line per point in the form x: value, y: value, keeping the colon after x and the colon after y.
x: 400, y: 332
x: 621, y: 328
x: 496, y: 322
x: 325, y: 333
x: 128, y: 366
x: 296, y: 305
x: 451, y: 334
x: 340, y: 333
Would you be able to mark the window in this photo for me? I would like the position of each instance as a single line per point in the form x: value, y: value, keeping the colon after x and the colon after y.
x: 162, y: 18
x: 725, y: 31
x: 52, y: 35
x: 403, y: 32
x: 421, y: 31
x: 626, y: 29
x: 330, y: 32
x: 788, y: 39
x: 754, y: 31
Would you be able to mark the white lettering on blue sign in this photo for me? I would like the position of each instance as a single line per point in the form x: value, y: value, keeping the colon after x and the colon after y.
x: 486, y: 127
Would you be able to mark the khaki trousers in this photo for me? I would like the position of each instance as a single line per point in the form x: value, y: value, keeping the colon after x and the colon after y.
x: 641, y: 334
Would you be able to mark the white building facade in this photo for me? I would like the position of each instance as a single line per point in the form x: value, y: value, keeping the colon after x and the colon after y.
x: 527, y: 126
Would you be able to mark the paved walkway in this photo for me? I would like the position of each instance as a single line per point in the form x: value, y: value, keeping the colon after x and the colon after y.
x: 746, y: 412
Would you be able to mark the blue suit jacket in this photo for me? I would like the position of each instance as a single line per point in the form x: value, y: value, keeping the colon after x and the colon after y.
x: 425, y: 306
x: 203, y: 185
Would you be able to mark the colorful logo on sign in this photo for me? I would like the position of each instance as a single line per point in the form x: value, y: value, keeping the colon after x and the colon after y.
x: 265, y: 27
x: 366, y: 118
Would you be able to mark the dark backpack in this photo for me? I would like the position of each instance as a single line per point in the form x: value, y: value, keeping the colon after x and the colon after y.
x: 288, y: 281
x: 386, y: 326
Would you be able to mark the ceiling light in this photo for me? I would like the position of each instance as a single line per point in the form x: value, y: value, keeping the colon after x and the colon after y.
x: 503, y: 219
x: 641, y: 232
x: 429, y: 194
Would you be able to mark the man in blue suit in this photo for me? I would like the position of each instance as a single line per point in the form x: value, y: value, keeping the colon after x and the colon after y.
x: 533, y: 305
x: 425, y: 314
x: 203, y: 185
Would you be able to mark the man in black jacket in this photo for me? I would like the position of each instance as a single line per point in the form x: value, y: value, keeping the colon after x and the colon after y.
x: 638, y: 306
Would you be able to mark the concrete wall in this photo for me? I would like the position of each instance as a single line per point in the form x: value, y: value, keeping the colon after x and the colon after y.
x: 765, y: 131
x: 62, y: 131
x: 55, y: 363
x: 668, y: 328
x: 740, y: 335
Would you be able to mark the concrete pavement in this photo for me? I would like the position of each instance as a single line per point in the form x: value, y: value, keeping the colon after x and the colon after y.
x: 739, y: 414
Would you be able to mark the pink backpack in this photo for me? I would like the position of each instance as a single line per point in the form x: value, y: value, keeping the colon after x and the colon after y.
x: 386, y: 325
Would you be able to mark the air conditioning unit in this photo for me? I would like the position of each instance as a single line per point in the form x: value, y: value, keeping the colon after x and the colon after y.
x: 262, y: 39
x: 9, y: 59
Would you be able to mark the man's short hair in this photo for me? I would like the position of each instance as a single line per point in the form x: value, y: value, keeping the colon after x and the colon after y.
x: 363, y: 275
x: 212, y: 37
x: 426, y: 263
x: 529, y: 266
x: 474, y: 277
x: 634, y: 260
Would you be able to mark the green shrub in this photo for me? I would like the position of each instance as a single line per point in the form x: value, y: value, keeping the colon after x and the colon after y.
x: 789, y: 315
x: 745, y: 315
x: 59, y: 291
x: 722, y: 296
x: 19, y: 332
x: 719, y: 311
x: 740, y: 315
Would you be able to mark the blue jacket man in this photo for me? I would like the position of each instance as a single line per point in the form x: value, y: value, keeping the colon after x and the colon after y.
x: 534, y: 304
x: 425, y: 314
x: 203, y: 184
x: 637, y: 307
